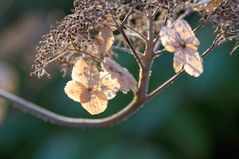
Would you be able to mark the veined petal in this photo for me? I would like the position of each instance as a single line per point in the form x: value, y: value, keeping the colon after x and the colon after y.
x: 74, y: 89
x: 85, y: 73
x: 178, y: 60
x: 194, y: 63
x: 188, y: 59
x: 103, y: 42
x: 97, y: 104
x: 169, y: 38
x: 126, y: 80
x: 185, y: 32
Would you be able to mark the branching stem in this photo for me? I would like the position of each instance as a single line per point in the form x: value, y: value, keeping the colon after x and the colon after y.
x: 57, y: 119
x: 145, y: 62
x: 121, y: 30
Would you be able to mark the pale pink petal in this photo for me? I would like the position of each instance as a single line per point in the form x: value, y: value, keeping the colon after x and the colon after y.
x: 169, y: 39
x: 194, y: 63
x: 178, y: 60
x: 185, y: 32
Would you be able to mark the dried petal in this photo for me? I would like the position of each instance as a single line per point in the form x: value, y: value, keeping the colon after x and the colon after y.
x: 97, y: 104
x: 193, y: 65
x: 90, y: 87
x: 126, y: 80
x: 85, y: 73
x: 209, y: 5
x: 184, y: 30
x: 74, y: 90
x: 110, y: 86
x: 86, y: 95
x: 190, y: 60
x: 169, y: 38
x: 103, y: 42
x: 107, y: 34
x: 178, y: 60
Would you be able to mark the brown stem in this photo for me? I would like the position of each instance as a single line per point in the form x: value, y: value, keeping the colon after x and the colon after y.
x: 121, y: 30
x: 61, y: 120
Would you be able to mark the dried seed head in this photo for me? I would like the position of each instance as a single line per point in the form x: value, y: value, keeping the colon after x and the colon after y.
x: 85, y: 30
x: 225, y: 18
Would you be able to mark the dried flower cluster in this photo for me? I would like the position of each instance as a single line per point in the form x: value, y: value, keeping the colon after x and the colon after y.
x: 225, y: 18
x: 85, y: 41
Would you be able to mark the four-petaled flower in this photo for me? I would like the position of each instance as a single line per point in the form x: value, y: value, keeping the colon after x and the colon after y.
x: 180, y: 39
x: 90, y: 87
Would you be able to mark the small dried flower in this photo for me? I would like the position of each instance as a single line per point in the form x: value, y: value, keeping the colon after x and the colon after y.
x: 181, y: 39
x: 126, y: 80
x: 103, y: 42
x: 90, y: 87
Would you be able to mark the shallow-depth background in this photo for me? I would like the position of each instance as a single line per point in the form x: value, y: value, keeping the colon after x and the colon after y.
x: 195, y: 118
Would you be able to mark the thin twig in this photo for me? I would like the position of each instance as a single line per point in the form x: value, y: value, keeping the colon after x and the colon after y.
x: 127, y: 16
x: 121, y: 30
x: 136, y: 32
x: 124, y: 49
x: 159, y: 53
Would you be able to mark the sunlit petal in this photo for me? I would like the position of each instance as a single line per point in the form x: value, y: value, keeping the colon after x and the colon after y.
x: 169, y: 39
x: 194, y: 63
x: 85, y: 73
x: 110, y: 86
x: 74, y: 89
x: 185, y: 32
x: 97, y: 104
x: 178, y: 60
x: 126, y: 80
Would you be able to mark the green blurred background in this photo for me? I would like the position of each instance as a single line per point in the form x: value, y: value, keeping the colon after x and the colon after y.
x: 195, y: 118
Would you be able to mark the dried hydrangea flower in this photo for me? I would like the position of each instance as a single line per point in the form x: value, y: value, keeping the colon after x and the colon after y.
x: 181, y: 40
x: 103, y: 42
x: 126, y: 80
x: 90, y: 87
